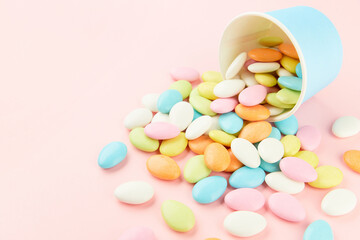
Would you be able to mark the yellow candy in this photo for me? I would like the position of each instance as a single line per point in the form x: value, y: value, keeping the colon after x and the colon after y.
x: 328, y: 176
x: 291, y: 145
x: 175, y: 146
x: 206, y: 90
x: 212, y: 76
x: 221, y: 137
x: 309, y: 157
x: 289, y: 63
x: 194, y: 93
x: 270, y: 41
x: 202, y: 105
x: 272, y: 100
x: 266, y: 79
x: 139, y: 139
x: 183, y: 86
x: 288, y: 96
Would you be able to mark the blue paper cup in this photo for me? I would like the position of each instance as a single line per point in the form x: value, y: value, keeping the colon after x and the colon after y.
x: 314, y: 36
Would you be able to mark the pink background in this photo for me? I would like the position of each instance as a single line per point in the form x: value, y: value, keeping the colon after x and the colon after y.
x: 70, y: 70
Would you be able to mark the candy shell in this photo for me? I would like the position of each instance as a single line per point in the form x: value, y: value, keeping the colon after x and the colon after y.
x: 181, y: 115
x: 352, y: 159
x: 274, y: 110
x: 209, y: 189
x: 229, y: 88
x: 244, y: 223
x: 206, y: 90
x: 235, y: 164
x: 288, y: 96
x: 112, y: 154
x: 216, y: 157
x: 196, y: 169
x: 198, y: 127
x: 184, y: 73
x: 183, y: 86
x: 247, y: 177
x: 163, y: 167
x: 161, y: 130
x: 253, y: 113
x: 211, y: 76
x: 270, y: 167
x: 246, y: 152
x: 298, y: 169
x: 230, y: 122
x: 287, y: 207
x: 289, y: 63
x: 328, y: 177
x: 174, y: 146
x: 199, y: 144
x: 338, y: 202
x: 202, y: 105
x: 214, y: 124
x: 289, y: 50
x: 223, y: 105
x: 309, y: 157
x: 196, y: 115
x: 252, y: 95
x: 264, y: 55
x: 318, y: 230
x: 247, y: 63
x: 263, y: 67
x: 149, y: 101
x: 275, y: 133
x: 168, y: 99
x: 245, y: 199
x: 291, y: 145
x: 346, y: 126
x: 134, y: 192
x: 265, y: 79
x: 310, y: 137
x: 248, y: 78
x: 138, y: 233
x: 161, y: 117
x: 298, y: 70
x: 221, y: 137
x: 288, y: 126
x: 282, y: 72
x: 291, y: 82
x: 274, y: 101
x: 256, y: 131
x: 139, y: 117
x: 279, y: 182
x: 142, y: 142
x: 177, y: 216
x: 271, y: 150
x: 236, y: 66
x: 270, y: 41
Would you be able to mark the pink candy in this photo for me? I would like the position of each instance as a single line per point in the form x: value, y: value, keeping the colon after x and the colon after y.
x: 184, y: 73
x: 138, y: 233
x: 310, y: 137
x: 248, y: 62
x: 223, y: 105
x: 245, y: 199
x: 287, y: 207
x: 298, y: 169
x: 161, y: 130
x: 252, y: 95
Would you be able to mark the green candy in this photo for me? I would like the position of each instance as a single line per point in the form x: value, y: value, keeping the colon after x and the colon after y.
x: 202, y: 105
x: 183, y: 86
x: 177, y: 216
x: 141, y: 141
x: 270, y: 41
x: 274, y: 101
x: 196, y: 169
x: 288, y: 96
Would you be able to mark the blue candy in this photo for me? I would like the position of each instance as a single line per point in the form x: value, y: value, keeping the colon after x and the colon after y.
x: 270, y: 167
x: 230, y: 122
x: 275, y: 133
x: 318, y: 230
x: 112, y: 154
x: 209, y: 189
x: 298, y: 70
x: 246, y: 177
x: 288, y: 126
x: 196, y: 115
x: 293, y: 83
x: 168, y: 99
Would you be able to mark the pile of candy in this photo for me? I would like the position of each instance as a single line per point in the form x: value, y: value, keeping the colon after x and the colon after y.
x: 224, y: 123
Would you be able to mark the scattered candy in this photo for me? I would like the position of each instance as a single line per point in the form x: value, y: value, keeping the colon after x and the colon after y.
x: 309, y: 136
x: 150, y: 101
x: 328, y: 177
x: 216, y: 157
x: 230, y: 122
x: 260, y: 67
x: 183, y: 86
x: 196, y: 169
x: 352, y: 159
x: 275, y: 133
x: 245, y: 199
x: 298, y: 169
x: 139, y: 117
x: 235, y: 164
x: 265, y: 55
x: 309, y: 157
x: 291, y: 145
x: 161, y: 117
x: 291, y: 82
x: 211, y: 76
x: 288, y: 126
x: 161, y: 130
x: 246, y: 177
x: 288, y: 50
x: 246, y: 152
x: 236, y: 65
x: 244, y: 223
x: 198, y: 127
x: 256, y: 131
x: 223, y: 105
x: 229, y: 88
x: 168, y: 99
x: 270, y: 167
x: 142, y: 142
x: 199, y: 144
x: 177, y: 216
x: 339, y: 202
x: 134, y: 192
x: 271, y: 150
x: 174, y: 146
x: 181, y: 115
x: 112, y: 154
x: 289, y: 64
x: 206, y: 90
x: 318, y: 230
x: 252, y: 95
x: 346, y: 126
x: 279, y: 182
x: 209, y: 189
x: 221, y: 137
x: 270, y: 41
x: 287, y: 207
x: 266, y: 79
x: 163, y: 167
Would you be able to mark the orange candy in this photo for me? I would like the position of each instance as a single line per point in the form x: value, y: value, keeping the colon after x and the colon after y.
x: 265, y: 55
x: 235, y: 164
x: 352, y: 159
x: 163, y: 167
x: 256, y: 131
x: 217, y: 157
x: 253, y: 113
x: 199, y: 144
x: 288, y: 50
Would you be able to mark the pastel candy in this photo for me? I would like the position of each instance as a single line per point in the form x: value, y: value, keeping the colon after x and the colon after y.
x: 346, y: 126
x: 221, y: 137
x: 275, y: 133
x: 236, y: 66
x: 235, y: 164
x: 138, y: 233
x: 293, y: 83
x: 247, y: 63
x: 271, y: 150
x: 223, y: 105
x: 256, y: 131
x: 274, y: 110
x: 244, y: 223
x: 184, y: 73
x: 274, y: 101
x: 246, y: 152
x: 198, y: 127
x: 328, y: 177
x: 183, y: 86
x: 177, y: 216
x: 253, y: 113
x: 168, y: 99
x: 279, y: 182
x: 291, y: 145
x: 288, y: 126
x: 211, y: 76
x: 289, y: 63
x: 230, y: 122
x: 209, y: 189
x: 263, y: 67
x: 229, y: 88
x: 270, y: 41
x: 161, y: 117
x: 282, y: 72
x: 339, y: 202
x: 196, y: 169
x: 246, y: 177
x: 196, y: 115
x: 265, y: 55
x: 174, y: 146
x: 214, y: 124
x: 181, y: 115
x: 161, y: 130
x: 298, y: 70
x: 163, y: 167
x: 206, y: 90
x: 287, y: 207
x: 288, y: 96
x: 150, y: 101
x: 289, y: 50
x: 318, y: 230
x: 352, y: 159
x: 270, y: 167
x: 265, y: 79
x: 310, y: 137
x: 142, y: 142
x: 199, y: 144
x: 139, y: 117
x: 248, y: 78
x: 245, y: 199
x: 216, y: 157
x: 202, y: 105
x: 134, y: 192
x: 309, y: 157
x: 298, y: 169
x: 252, y: 95
x: 112, y: 154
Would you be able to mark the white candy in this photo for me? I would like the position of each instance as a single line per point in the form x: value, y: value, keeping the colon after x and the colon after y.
x: 161, y: 117
x: 282, y: 72
x: 274, y: 110
x: 279, y: 182
x: 150, y: 101
x: 229, y: 88
x: 338, y: 202
x: 245, y: 152
x: 271, y: 150
x: 181, y: 115
x: 346, y: 126
x: 263, y: 67
x: 249, y: 78
x: 139, y: 117
x: 244, y: 223
x: 198, y: 127
x: 214, y: 124
x: 236, y: 65
x: 134, y: 192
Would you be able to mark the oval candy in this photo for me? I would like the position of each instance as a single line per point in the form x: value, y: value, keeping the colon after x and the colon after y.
x: 211, y: 76
x: 253, y: 113
x: 196, y: 169
x: 236, y: 66
x: 235, y: 164
x: 206, y: 90
x: 177, y: 216
x: 298, y: 169
x: 198, y: 127
x: 291, y: 82
x: 339, y: 202
x: 209, y: 189
x: 263, y: 67
x: 256, y: 131
x: 244, y: 223
x: 352, y: 159
x: 266, y: 79
x: 346, y: 126
x: 288, y: 96
x: 274, y: 101
x: 274, y: 110
x: 134, y: 192
x: 265, y: 55
x: 168, y: 99
x: 163, y: 167
x: 298, y: 70
x: 289, y: 50
x: 287, y: 207
x: 279, y: 182
x: 181, y: 115
x: 138, y: 233
x: 199, y: 144
x: 291, y: 145
x: 328, y: 177
x: 275, y: 133
x: 183, y: 86
x: 310, y: 137
x: 142, y: 142
x: 270, y: 41
x: 246, y: 177
x: 282, y: 72
x: 149, y: 101
x: 248, y: 78
x: 161, y: 117
x: 184, y: 73
x: 161, y: 130
x: 271, y: 150
x: 139, y: 117
x: 112, y: 154
x: 289, y: 64
x: 252, y: 95
x: 202, y: 105
x: 174, y: 146
x: 270, y: 167
x: 221, y: 137
x: 246, y: 152
x: 216, y: 157
x: 309, y: 157
x: 229, y: 88
x: 288, y: 126
x: 214, y: 124
x: 223, y: 105
x: 230, y: 122
x: 245, y: 199
x: 318, y: 230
